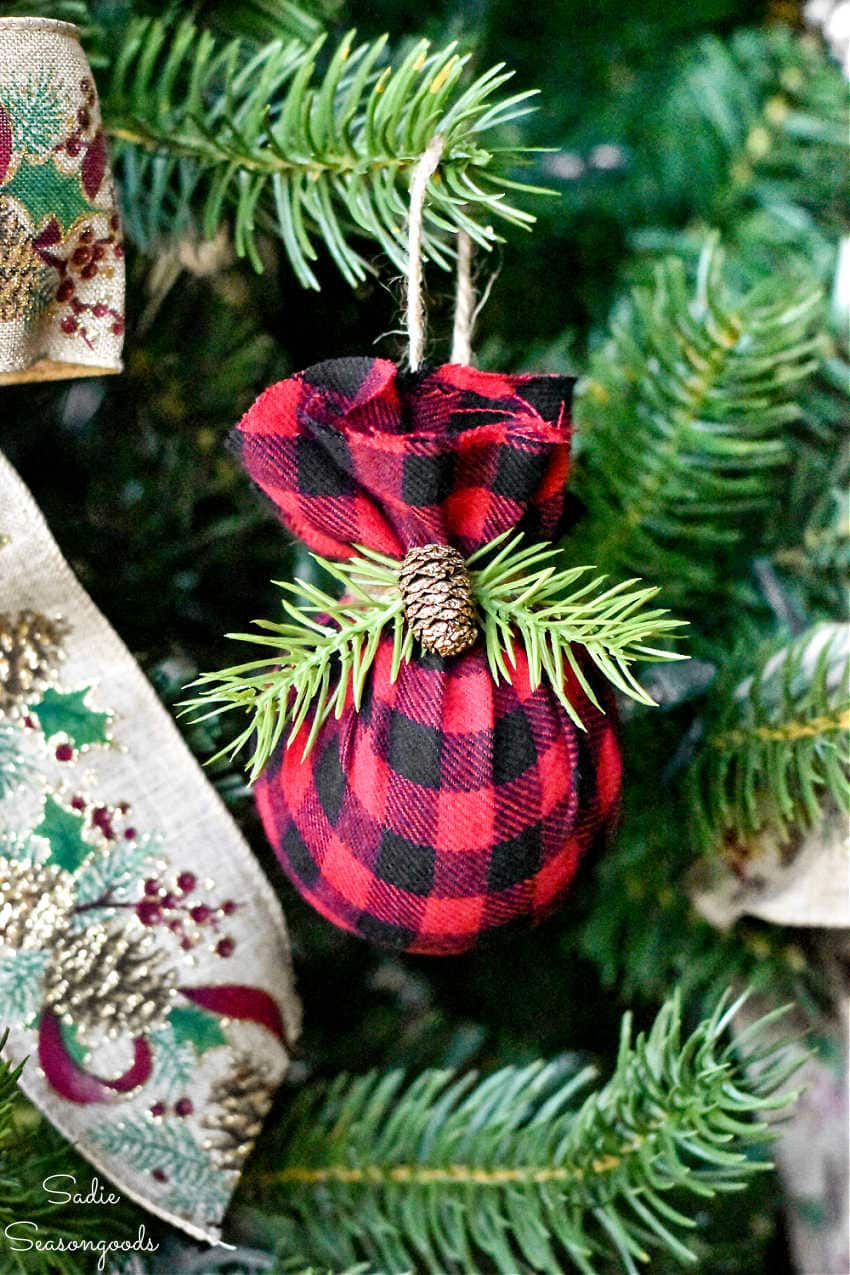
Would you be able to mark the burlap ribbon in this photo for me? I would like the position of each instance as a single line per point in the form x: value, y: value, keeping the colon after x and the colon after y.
x: 144, y: 962
x: 61, y: 255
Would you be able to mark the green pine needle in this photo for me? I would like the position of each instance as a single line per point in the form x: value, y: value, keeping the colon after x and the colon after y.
x: 324, y: 648
x: 310, y: 147
x: 684, y: 422
x: 776, y: 750
x: 327, y: 645
x: 450, y: 1172
x: 521, y: 590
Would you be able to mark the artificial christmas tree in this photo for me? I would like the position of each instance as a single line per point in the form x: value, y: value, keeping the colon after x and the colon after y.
x: 689, y: 270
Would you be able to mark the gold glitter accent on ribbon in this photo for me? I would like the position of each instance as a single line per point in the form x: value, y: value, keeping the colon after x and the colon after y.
x: 30, y: 653
x: 241, y: 1100
x: 109, y: 979
x: 35, y: 901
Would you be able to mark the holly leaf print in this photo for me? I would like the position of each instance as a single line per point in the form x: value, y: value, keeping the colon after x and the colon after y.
x: 67, y: 711
x: 63, y: 829
x: 44, y: 191
x: 200, y: 1028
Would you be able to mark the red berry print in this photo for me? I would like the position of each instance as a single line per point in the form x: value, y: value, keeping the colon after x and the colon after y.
x: 160, y: 1175
x: 225, y: 947
x: 158, y: 1109
x: 148, y: 912
x: 186, y: 882
x: 200, y: 914
x: 102, y: 820
x: 64, y: 752
x: 69, y: 324
x: 184, y: 1107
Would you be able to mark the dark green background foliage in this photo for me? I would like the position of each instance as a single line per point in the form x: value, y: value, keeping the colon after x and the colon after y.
x: 707, y: 137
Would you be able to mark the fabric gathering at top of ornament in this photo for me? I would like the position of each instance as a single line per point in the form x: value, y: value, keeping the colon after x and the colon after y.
x: 355, y: 452
x: 446, y: 806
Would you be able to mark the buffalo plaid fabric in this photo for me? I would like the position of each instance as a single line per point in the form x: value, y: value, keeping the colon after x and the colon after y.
x: 353, y: 452
x: 449, y: 805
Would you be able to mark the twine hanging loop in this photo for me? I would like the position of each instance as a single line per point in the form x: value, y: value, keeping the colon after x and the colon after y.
x: 422, y: 174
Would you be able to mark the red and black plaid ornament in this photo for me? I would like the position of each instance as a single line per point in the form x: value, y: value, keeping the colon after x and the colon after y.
x: 448, y: 806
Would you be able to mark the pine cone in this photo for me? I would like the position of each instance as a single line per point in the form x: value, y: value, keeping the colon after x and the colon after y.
x: 20, y: 266
x: 110, y: 979
x: 437, y: 596
x: 241, y: 1100
x: 30, y: 651
x: 35, y: 901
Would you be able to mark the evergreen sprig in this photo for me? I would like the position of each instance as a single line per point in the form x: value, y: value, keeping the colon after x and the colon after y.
x: 447, y: 1171
x: 776, y: 748
x: 745, y: 133
x: 263, y: 20
x: 522, y: 590
x: 327, y: 646
x: 207, y: 129
x: 684, y: 420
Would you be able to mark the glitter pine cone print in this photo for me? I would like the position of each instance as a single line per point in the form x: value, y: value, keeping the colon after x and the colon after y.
x: 61, y: 250
x: 448, y: 805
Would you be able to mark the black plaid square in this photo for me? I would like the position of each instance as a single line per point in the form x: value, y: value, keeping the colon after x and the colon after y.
x: 415, y: 750
x: 406, y: 864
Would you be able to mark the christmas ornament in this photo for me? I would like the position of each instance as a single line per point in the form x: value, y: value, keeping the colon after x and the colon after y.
x: 143, y: 956
x: 445, y: 803
x: 61, y: 254
x: 424, y: 797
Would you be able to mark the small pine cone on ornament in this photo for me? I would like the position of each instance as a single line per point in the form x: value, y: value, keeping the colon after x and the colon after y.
x: 438, y: 602
x: 36, y: 901
x: 109, y: 979
x: 30, y: 653
x: 240, y: 1101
